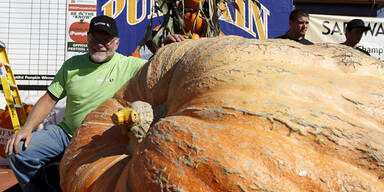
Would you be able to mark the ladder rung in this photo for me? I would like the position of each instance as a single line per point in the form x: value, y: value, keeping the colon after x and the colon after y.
x: 5, y: 64
x: 15, y: 96
x: 12, y: 85
x: 18, y: 106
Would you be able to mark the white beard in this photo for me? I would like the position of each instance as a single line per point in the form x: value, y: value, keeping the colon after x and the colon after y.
x: 100, y: 57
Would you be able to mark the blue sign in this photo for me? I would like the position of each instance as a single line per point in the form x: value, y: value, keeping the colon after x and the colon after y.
x: 268, y: 20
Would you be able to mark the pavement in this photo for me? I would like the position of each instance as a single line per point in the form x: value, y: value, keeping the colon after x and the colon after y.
x: 8, y: 180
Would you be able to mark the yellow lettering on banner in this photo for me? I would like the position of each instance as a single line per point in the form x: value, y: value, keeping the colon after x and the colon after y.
x: 154, y: 13
x: 113, y: 8
x: 132, y: 7
x: 257, y: 17
x: 240, y: 14
x: 254, y: 15
x: 225, y: 14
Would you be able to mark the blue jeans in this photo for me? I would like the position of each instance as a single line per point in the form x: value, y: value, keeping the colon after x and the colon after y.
x: 46, y: 146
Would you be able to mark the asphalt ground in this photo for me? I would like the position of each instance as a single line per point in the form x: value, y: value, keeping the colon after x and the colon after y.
x: 8, y: 180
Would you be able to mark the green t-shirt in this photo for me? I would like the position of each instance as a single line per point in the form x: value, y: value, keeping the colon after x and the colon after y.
x: 86, y: 85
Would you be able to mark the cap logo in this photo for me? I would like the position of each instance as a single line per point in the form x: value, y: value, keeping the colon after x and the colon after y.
x: 101, y: 23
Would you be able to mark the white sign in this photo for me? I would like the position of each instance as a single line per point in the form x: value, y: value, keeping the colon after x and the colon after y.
x: 331, y: 29
x: 79, y: 15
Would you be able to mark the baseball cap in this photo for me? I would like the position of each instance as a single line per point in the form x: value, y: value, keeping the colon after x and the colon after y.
x: 357, y: 23
x: 104, y: 23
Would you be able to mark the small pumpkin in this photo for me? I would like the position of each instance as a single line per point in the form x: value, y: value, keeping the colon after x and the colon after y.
x: 189, y: 19
x: 192, y: 4
x: 238, y: 114
x: 193, y: 36
x: 136, y: 52
x: 6, y: 127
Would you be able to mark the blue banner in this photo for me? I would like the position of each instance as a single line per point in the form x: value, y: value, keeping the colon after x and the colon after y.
x: 266, y: 21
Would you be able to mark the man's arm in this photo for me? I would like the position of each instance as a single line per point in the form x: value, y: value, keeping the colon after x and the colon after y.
x: 171, y: 38
x: 39, y: 112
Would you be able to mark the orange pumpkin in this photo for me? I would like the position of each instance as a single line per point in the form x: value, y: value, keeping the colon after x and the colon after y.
x: 6, y: 123
x: 189, y: 18
x: 237, y: 114
x: 135, y: 54
x: 194, y: 36
x: 192, y: 4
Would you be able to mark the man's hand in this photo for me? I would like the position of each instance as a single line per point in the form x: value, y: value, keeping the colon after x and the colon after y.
x: 13, y: 142
x: 38, y: 113
x: 173, y: 38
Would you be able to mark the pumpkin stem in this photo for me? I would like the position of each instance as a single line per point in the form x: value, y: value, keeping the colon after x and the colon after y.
x: 134, y: 121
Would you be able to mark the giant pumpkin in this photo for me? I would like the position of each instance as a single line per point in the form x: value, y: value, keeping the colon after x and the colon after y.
x: 240, y: 115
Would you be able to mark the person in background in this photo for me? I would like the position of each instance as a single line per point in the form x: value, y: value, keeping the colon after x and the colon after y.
x: 354, y: 32
x: 86, y: 81
x: 298, y: 25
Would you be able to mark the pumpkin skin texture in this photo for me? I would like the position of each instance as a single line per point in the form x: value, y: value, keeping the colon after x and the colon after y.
x: 241, y: 115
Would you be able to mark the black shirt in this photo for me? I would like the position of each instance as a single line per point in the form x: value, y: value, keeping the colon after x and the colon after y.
x: 302, y: 41
x: 362, y: 50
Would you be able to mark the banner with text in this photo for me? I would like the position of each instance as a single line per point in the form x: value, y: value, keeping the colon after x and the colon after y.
x: 331, y: 29
x: 268, y: 20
